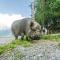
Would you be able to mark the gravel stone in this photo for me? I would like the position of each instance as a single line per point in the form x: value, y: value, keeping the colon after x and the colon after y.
x: 41, y: 51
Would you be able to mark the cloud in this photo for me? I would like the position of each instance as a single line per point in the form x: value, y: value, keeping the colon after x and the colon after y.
x: 7, y: 19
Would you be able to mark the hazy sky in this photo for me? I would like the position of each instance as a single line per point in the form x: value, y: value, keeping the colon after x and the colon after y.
x: 16, y: 7
x: 11, y: 10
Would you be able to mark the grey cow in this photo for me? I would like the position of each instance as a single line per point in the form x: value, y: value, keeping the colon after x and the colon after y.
x: 26, y: 27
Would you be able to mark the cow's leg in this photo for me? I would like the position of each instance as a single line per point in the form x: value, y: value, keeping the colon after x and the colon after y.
x: 27, y: 38
x: 22, y: 36
x: 16, y: 37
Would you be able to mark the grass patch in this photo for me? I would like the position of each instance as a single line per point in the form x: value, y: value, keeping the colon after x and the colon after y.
x: 51, y: 37
x: 1, y: 49
x: 13, y: 45
x: 25, y: 43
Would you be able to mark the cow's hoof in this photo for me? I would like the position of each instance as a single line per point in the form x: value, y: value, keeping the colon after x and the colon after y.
x: 35, y: 38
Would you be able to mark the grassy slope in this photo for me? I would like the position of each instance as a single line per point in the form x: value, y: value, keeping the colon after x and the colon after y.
x: 13, y: 45
x: 25, y: 43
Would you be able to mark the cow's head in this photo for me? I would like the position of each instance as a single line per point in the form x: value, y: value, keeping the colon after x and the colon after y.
x: 35, y: 32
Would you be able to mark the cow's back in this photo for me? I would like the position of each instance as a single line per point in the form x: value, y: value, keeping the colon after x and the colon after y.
x: 20, y: 26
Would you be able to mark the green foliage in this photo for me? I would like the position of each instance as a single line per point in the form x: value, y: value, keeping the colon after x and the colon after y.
x: 1, y: 49
x: 46, y: 11
x: 40, y: 11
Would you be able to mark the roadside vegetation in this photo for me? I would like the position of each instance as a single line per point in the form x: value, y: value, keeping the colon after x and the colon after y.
x: 51, y: 37
x: 13, y: 45
x: 25, y: 43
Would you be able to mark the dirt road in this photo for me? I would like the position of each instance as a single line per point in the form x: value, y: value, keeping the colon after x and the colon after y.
x: 42, y: 50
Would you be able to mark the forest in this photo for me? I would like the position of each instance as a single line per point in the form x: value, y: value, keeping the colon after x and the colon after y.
x: 47, y: 13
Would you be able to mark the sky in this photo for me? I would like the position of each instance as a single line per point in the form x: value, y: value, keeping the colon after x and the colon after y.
x: 11, y: 10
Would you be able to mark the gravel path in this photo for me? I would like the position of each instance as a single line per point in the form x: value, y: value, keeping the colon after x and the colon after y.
x: 39, y: 51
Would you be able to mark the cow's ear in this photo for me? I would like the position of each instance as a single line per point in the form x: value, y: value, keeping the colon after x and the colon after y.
x: 31, y: 24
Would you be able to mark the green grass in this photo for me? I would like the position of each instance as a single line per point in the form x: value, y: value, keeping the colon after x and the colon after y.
x: 13, y: 45
x: 1, y: 49
x: 25, y: 43
x: 52, y: 37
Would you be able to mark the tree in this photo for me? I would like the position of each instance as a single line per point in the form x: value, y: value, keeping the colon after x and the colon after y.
x: 40, y: 11
x: 47, y: 11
